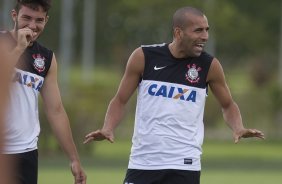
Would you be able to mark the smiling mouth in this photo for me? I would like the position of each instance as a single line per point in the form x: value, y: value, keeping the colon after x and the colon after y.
x: 200, y: 45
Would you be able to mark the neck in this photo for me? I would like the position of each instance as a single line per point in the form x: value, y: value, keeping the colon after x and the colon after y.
x: 176, y: 51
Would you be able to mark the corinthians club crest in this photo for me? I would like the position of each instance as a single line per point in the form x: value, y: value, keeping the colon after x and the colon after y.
x: 192, y: 75
x: 39, y: 62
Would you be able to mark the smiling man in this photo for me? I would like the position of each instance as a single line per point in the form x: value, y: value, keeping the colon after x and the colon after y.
x: 172, y: 80
x: 34, y: 73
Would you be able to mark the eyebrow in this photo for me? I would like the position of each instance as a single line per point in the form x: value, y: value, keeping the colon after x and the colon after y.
x: 27, y: 16
x: 201, y: 28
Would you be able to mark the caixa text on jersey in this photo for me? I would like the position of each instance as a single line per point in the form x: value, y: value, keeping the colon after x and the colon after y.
x: 172, y: 92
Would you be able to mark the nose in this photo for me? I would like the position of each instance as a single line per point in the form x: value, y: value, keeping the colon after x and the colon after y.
x: 32, y: 25
x: 205, y: 35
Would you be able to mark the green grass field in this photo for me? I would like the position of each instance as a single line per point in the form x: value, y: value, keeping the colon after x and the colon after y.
x: 249, y: 162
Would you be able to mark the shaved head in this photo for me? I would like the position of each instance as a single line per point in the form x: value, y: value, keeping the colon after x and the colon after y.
x: 181, y: 16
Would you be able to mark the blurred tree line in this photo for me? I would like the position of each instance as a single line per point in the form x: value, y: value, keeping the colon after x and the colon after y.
x: 244, y: 36
x: 241, y: 28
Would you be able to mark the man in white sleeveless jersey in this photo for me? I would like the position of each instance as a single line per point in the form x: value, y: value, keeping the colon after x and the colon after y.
x: 172, y: 81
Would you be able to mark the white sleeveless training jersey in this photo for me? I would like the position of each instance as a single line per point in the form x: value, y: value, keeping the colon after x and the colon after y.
x: 169, y: 129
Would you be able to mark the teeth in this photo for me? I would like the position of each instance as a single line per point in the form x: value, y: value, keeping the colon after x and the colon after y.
x: 200, y: 45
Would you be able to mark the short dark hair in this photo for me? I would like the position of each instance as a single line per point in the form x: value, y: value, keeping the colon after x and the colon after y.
x: 33, y: 4
x: 179, y: 17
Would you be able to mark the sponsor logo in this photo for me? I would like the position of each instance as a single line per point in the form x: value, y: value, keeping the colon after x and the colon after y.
x: 192, y: 75
x: 39, y: 62
x: 188, y: 161
x: 172, y: 92
x: 28, y: 80
x: 159, y: 68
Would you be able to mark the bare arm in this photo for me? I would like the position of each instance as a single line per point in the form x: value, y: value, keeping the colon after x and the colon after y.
x: 59, y: 121
x: 128, y: 85
x: 8, y: 60
x: 6, y: 164
x: 230, y: 109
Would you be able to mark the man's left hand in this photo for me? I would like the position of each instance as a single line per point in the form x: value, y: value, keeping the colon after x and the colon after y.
x: 78, y: 173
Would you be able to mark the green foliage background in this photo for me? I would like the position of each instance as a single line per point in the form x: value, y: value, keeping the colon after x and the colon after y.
x: 246, y: 35
x: 258, y: 162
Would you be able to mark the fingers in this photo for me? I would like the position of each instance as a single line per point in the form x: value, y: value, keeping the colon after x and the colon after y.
x: 255, y: 133
x: 91, y: 134
x: 87, y: 140
x: 236, y: 139
x: 248, y: 133
x: 80, y: 179
x: 111, y: 139
x: 259, y: 134
x: 90, y: 137
x: 78, y: 173
x: 98, y: 136
x: 25, y: 36
x: 25, y: 32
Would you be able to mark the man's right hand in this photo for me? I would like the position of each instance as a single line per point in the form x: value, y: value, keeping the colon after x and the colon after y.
x: 99, y: 135
x: 24, y: 37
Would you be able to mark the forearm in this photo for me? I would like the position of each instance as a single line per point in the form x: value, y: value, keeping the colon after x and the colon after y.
x: 15, y: 54
x: 114, y: 115
x: 61, y: 128
x: 9, y: 58
x: 232, y: 117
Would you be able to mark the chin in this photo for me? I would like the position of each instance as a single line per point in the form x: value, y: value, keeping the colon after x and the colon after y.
x: 196, y: 54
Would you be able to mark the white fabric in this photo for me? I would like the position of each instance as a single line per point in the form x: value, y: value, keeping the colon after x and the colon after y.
x: 168, y: 129
x: 22, y: 121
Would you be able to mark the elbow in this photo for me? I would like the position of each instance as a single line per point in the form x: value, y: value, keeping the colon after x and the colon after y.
x: 229, y: 105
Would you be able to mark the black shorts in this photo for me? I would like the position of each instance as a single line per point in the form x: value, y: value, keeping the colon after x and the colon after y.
x: 26, y: 167
x: 166, y: 176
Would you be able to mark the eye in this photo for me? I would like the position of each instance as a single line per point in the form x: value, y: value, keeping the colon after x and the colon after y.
x: 40, y: 20
x: 198, y: 30
x: 26, y: 17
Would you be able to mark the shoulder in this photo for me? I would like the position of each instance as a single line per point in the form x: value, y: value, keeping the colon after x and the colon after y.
x: 136, y: 61
x: 42, y: 48
x: 153, y: 47
x: 47, y: 53
x: 43, y: 56
x: 155, y: 51
x: 205, y: 61
x: 215, y: 71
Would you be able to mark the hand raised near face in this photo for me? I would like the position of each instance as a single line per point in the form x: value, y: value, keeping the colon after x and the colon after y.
x: 24, y: 37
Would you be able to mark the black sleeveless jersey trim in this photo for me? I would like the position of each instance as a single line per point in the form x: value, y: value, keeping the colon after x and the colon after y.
x: 160, y: 65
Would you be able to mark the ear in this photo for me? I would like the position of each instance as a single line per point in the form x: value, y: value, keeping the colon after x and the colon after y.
x: 46, y: 20
x: 14, y: 15
x: 177, y: 33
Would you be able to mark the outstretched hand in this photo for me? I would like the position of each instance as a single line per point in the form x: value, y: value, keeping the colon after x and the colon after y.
x: 247, y: 133
x: 99, y: 135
